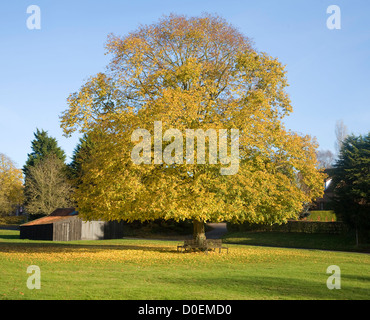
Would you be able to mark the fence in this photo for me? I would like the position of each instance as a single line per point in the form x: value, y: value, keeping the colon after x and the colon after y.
x: 336, y: 227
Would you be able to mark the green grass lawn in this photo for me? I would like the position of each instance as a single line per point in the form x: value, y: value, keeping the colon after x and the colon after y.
x: 153, y: 269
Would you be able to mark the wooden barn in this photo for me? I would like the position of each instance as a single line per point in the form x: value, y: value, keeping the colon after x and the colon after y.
x: 65, y: 225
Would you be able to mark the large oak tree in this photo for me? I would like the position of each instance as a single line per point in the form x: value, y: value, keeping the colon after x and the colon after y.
x: 191, y: 73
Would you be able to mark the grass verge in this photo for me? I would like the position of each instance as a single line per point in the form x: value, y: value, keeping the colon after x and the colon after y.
x: 153, y: 269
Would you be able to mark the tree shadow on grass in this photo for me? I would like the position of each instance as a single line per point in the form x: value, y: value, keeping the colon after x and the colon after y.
x: 272, y: 287
x: 333, y: 242
x: 24, y: 246
x: 12, y: 243
x: 39, y: 247
x: 9, y: 236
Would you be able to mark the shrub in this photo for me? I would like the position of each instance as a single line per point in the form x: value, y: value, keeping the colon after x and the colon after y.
x: 12, y: 220
x: 292, y: 226
x: 320, y: 215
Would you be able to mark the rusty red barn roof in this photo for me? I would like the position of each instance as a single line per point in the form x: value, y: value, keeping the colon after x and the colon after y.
x: 63, y: 212
x: 57, y: 215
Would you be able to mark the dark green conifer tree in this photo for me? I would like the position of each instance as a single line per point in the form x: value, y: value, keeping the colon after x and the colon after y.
x: 352, y: 184
x: 42, y: 146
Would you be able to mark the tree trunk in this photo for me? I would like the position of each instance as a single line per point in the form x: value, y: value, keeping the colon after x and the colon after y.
x: 198, y: 233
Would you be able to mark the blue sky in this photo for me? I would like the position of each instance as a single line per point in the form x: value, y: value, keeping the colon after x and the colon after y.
x: 328, y: 70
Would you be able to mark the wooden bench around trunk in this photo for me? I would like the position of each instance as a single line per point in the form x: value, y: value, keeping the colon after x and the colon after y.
x: 216, y: 244
x: 188, y: 245
x: 207, y: 245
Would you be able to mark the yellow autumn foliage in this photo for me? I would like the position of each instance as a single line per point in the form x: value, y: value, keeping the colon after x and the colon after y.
x: 11, y: 185
x: 191, y: 73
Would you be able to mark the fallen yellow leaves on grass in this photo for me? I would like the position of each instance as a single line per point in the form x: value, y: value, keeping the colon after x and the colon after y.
x: 144, y: 254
